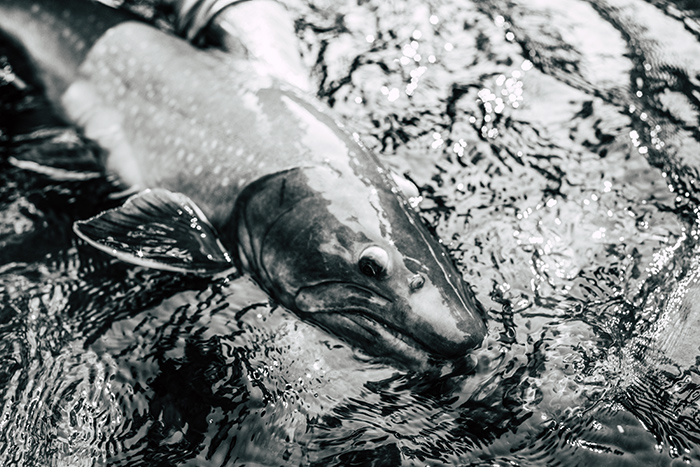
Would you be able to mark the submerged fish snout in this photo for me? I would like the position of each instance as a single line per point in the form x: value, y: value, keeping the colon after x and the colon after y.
x: 449, y: 324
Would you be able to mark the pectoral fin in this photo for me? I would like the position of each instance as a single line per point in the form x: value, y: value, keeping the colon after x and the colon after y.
x: 161, y: 230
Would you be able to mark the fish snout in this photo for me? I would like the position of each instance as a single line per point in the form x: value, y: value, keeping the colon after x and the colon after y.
x: 448, y: 325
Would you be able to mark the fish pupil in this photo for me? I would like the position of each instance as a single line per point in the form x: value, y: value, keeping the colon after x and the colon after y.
x: 369, y: 267
x: 374, y: 262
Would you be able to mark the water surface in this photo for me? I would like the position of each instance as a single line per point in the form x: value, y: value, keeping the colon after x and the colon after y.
x: 555, y: 145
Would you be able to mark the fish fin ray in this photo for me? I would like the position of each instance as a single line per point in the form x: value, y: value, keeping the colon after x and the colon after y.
x: 161, y: 230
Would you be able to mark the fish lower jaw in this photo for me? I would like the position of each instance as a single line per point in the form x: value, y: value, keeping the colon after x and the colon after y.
x: 374, y: 338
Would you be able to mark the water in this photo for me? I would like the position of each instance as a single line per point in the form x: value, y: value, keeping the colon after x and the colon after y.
x: 555, y: 145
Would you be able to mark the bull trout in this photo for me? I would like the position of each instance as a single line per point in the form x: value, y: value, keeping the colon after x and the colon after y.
x: 241, y: 170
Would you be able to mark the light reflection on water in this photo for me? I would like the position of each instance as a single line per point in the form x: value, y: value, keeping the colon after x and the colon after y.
x: 555, y: 146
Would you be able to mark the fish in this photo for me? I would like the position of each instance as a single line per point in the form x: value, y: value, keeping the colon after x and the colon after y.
x: 239, y: 170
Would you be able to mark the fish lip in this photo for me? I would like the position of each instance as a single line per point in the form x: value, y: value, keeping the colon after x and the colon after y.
x: 403, y: 346
x: 394, y: 337
x: 369, y: 320
x: 373, y: 324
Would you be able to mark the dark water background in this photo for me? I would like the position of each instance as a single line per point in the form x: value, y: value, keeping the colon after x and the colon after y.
x: 556, y: 146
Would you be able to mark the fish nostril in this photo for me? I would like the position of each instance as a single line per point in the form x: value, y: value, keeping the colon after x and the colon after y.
x: 416, y: 282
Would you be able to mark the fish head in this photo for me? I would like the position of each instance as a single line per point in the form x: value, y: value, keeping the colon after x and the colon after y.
x: 350, y: 256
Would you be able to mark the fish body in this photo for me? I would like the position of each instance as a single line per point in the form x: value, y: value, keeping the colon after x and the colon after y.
x: 198, y: 125
x: 292, y: 196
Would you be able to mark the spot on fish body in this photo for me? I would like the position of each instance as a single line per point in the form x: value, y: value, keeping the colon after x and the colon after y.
x: 190, y: 157
x: 217, y: 170
x: 225, y: 181
x: 197, y: 170
x: 239, y: 152
x: 181, y: 154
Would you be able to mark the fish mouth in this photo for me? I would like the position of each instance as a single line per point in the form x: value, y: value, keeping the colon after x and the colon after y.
x: 374, y: 337
x: 353, y: 313
x: 379, y: 325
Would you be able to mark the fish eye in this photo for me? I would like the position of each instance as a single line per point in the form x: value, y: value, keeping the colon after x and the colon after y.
x: 374, y: 262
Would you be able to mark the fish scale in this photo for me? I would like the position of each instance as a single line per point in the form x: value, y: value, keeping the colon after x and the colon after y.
x: 239, y: 168
x: 213, y: 119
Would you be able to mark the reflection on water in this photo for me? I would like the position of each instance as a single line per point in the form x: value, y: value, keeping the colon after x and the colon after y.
x: 555, y: 144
